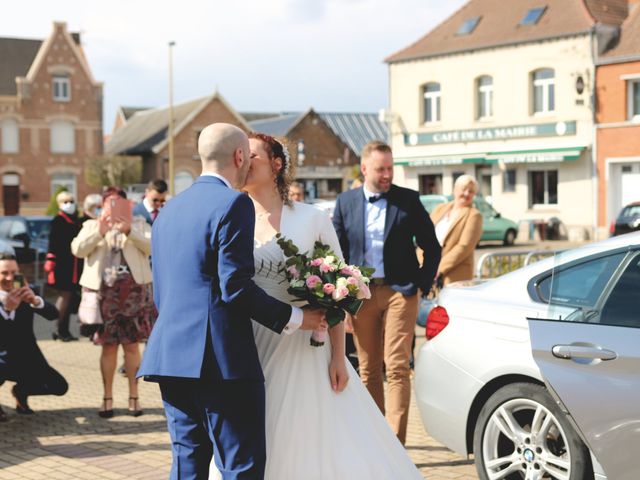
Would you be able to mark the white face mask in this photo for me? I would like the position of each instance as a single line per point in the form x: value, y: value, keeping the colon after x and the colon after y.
x: 68, y: 208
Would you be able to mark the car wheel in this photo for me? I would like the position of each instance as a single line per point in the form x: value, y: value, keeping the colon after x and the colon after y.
x: 522, y: 434
x: 509, y: 238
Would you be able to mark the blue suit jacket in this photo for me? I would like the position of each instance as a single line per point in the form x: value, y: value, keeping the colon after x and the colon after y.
x: 406, y: 221
x: 140, y: 210
x: 202, y: 252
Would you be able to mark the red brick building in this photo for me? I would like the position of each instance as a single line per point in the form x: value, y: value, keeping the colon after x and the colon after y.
x: 143, y: 132
x: 325, y: 147
x: 50, y: 119
x: 618, y: 121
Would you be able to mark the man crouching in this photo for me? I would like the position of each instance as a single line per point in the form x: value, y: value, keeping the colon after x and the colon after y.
x: 21, y: 360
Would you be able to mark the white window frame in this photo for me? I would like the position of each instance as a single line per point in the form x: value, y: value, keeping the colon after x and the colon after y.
x: 61, y: 140
x: 633, y: 116
x: 546, y: 188
x: 10, y: 135
x: 545, y: 85
x: 485, y: 98
x: 61, y: 88
x: 431, y: 104
x: 64, y: 179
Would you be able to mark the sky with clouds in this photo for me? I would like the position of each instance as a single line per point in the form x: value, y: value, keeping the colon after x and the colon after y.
x: 261, y: 55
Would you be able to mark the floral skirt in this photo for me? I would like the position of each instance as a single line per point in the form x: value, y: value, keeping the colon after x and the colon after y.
x: 128, y: 312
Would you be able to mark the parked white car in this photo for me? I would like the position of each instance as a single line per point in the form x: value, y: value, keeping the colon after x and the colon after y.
x: 537, y: 372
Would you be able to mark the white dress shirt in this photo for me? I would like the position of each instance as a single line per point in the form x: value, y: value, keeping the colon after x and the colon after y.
x: 374, y: 219
x: 295, y: 321
x: 12, y: 314
x: 442, y: 227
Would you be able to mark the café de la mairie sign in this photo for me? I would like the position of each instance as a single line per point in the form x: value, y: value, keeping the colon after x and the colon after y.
x: 496, y: 133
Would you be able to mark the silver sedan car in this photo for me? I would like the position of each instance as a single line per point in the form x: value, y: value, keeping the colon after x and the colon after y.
x: 537, y: 372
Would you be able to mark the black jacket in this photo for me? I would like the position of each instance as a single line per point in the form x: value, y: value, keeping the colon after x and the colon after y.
x: 67, y: 271
x: 18, y: 344
x: 406, y: 224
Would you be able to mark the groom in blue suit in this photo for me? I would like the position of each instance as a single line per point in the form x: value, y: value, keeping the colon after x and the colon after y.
x: 202, y: 350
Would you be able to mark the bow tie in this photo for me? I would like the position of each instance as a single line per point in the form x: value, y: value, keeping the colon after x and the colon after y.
x: 375, y: 198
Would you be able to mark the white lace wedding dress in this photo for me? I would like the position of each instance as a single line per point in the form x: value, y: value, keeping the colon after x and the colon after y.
x: 314, y: 433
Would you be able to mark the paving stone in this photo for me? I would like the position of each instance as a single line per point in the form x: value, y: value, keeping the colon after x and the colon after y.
x: 67, y: 440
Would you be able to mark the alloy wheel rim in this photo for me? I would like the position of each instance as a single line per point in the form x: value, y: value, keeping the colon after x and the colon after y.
x: 524, y: 440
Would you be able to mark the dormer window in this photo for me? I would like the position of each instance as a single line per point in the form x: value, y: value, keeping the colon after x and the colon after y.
x: 468, y: 26
x: 532, y: 16
x: 61, y: 88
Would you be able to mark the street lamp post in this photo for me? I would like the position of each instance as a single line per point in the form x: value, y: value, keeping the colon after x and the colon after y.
x: 170, y: 133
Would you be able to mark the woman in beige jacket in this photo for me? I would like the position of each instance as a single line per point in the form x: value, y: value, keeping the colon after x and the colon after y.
x: 116, y: 253
x: 458, y: 228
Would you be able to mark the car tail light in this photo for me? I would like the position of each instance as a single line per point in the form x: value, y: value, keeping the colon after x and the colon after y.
x: 612, y: 228
x: 437, y: 320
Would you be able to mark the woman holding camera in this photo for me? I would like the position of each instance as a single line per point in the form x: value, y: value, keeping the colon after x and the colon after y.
x: 116, y: 248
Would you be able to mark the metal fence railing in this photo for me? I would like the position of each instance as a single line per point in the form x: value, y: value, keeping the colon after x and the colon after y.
x: 491, y: 265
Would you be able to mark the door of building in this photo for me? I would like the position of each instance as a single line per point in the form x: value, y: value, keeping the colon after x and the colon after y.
x: 483, y: 176
x: 11, y: 193
x: 630, y: 184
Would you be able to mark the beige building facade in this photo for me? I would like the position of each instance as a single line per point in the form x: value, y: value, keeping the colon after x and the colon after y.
x: 506, y: 96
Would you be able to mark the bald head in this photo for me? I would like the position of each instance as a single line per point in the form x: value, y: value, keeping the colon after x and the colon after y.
x: 218, y: 144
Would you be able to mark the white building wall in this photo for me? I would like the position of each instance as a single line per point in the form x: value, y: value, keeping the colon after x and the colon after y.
x: 511, y: 69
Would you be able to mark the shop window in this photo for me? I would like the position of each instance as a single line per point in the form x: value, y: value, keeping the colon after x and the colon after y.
x: 543, y: 87
x: 509, y: 180
x: 633, y: 95
x: 431, y: 184
x: 431, y: 106
x: 484, y: 89
x: 61, y: 88
x: 63, y: 137
x: 10, y: 136
x: 63, y: 180
x: 543, y: 188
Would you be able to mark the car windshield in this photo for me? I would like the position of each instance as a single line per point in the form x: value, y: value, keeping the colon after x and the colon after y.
x: 39, y: 228
x: 631, y: 211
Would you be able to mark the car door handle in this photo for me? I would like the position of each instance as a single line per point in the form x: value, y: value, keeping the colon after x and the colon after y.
x: 580, y: 351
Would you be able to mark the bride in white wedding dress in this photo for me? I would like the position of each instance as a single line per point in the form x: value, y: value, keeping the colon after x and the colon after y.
x: 344, y: 436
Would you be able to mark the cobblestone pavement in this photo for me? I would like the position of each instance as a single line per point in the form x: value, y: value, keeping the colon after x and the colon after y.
x: 66, y: 439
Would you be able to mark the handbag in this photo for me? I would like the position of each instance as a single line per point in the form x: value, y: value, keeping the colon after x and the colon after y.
x: 89, y: 309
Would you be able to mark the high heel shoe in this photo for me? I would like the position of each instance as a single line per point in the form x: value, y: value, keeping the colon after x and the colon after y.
x: 66, y: 337
x: 135, y: 411
x: 106, y: 412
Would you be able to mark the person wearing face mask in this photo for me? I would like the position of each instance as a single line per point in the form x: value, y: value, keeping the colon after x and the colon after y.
x: 91, y: 207
x: 62, y: 268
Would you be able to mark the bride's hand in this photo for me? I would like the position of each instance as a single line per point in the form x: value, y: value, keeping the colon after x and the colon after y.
x: 338, y: 373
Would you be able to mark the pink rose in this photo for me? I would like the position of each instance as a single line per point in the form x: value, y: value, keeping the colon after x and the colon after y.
x: 313, y: 281
x: 346, y: 271
x: 363, y: 291
x: 352, y: 281
x: 328, y: 288
x: 293, y: 271
x: 316, y: 262
x: 340, y: 293
x: 325, y: 268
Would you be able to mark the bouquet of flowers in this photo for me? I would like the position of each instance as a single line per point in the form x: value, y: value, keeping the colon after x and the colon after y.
x: 325, y: 281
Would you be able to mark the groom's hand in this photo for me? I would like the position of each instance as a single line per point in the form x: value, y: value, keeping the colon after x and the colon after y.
x: 313, y: 319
